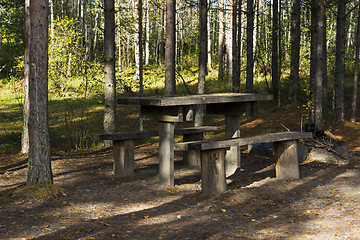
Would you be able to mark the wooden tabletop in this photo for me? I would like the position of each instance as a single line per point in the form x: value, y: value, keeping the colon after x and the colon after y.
x: 196, y: 99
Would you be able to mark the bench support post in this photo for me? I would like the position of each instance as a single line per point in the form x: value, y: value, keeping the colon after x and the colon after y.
x: 166, y: 154
x: 287, y: 166
x: 232, y: 124
x: 213, y: 179
x: 123, y: 158
x: 192, y: 157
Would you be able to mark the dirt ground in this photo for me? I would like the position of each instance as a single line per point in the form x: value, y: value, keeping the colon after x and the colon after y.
x: 323, y: 204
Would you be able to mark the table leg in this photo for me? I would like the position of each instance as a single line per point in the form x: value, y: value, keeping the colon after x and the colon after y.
x: 232, y: 130
x: 166, y: 153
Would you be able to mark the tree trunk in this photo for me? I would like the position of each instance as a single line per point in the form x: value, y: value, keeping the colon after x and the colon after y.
x: 209, y: 62
x: 39, y: 141
x: 170, y: 43
x: 275, y: 52
x: 138, y: 44
x: 356, y: 71
x: 202, y: 58
x: 229, y: 40
x: 26, y: 110
x: 295, y: 51
x: 235, y: 41
x: 319, y: 6
x: 250, y: 46
x: 147, y: 33
x: 340, y: 61
x: 221, y: 41
x: 109, y: 69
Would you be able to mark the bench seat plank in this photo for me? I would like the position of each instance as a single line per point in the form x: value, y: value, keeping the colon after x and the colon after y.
x: 265, y: 138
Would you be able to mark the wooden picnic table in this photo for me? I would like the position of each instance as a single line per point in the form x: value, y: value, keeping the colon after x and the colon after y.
x: 168, y: 110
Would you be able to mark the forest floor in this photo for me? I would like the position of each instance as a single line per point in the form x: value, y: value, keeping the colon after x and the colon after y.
x: 323, y: 204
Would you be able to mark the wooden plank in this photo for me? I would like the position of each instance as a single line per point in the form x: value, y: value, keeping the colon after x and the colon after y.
x: 154, y: 133
x: 287, y: 166
x: 196, y: 99
x: 123, y: 158
x: 166, y: 154
x: 271, y: 137
x: 129, y: 135
x: 213, y: 180
x: 232, y: 130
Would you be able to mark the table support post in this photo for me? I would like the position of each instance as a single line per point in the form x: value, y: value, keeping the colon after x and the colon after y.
x: 232, y: 130
x: 166, y: 153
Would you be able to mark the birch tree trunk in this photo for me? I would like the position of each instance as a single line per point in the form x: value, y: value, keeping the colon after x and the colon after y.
x: 109, y: 69
x: 356, y: 71
x: 209, y: 62
x: 340, y: 61
x: 39, y: 170
x: 170, y: 43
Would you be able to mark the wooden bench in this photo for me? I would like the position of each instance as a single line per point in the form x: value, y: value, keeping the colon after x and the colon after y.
x: 123, y: 146
x: 213, y: 178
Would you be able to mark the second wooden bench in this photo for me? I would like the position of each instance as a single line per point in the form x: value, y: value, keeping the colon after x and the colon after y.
x: 213, y: 178
x: 123, y: 146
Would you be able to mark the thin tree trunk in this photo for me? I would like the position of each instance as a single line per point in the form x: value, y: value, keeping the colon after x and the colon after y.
x: 340, y: 62
x: 170, y: 51
x: 236, y: 70
x: 39, y: 162
x: 138, y: 44
x: 26, y: 107
x: 229, y: 36
x: 319, y: 70
x: 51, y: 4
x: 109, y: 69
x: 356, y: 71
x: 147, y: 32
x: 275, y: 52
x: 199, y: 117
x: 209, y: 63
x: 295, y: 50
x: 221, y: 41
x: 250, y: 46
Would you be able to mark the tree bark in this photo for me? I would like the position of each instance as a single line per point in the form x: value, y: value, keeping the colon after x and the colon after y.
x: 340, y: 61
x: 356, y: 71
x: 295, y: 51
x: 209, y: 61
x: 235, y: 41
x: 221, y: 41
x: 250, y: 46
x: 319, y: 6
x: 147, y: 33
x: 275, y: 52
x: 26, y: 110
x: 199, y: 117
x: 109, y: 69
x: 138, y: 44
x: 229, y: 40
x: 170, y: 43
x: 39, y: 162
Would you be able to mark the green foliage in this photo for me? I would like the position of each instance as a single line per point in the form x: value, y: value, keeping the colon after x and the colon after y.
x: 12, y: 45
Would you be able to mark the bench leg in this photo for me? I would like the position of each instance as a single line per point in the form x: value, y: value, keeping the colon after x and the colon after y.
x: 123, y: 158
x: 287, y: 166
x: 213, y: 179
x: 166, y: 154
x: 232, y: 130
x: 192, y: 157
